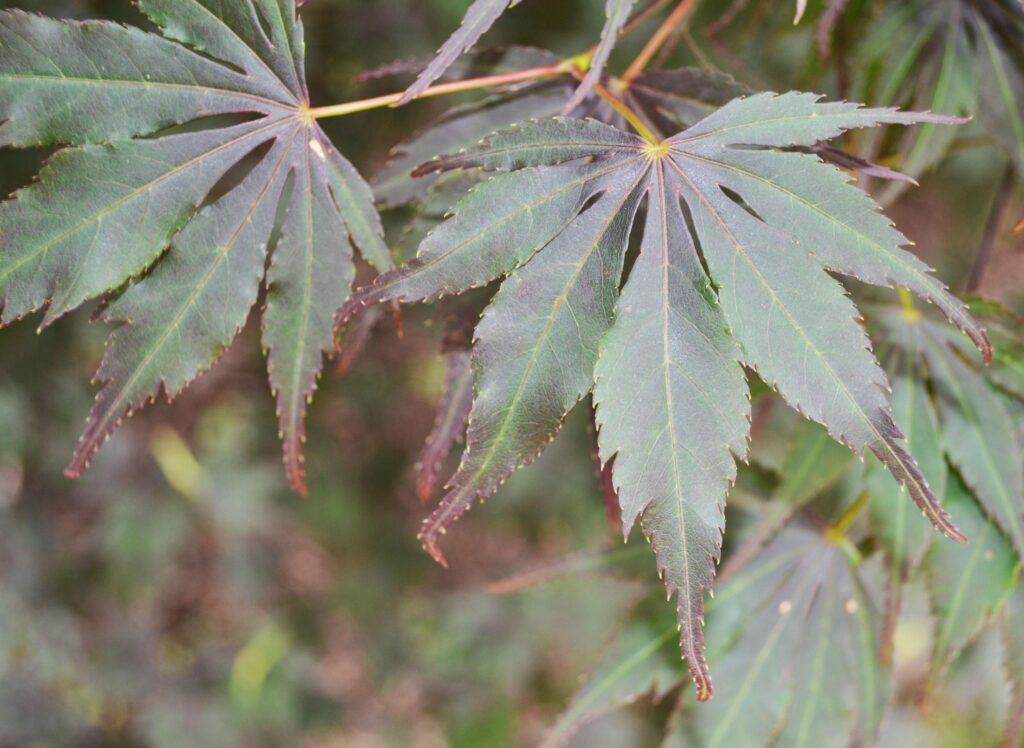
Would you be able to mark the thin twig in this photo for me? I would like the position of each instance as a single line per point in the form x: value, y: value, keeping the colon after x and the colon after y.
x: 662, y: 35
x: 504, y: 79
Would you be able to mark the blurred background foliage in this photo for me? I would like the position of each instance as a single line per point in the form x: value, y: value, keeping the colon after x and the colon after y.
x: 180, y: 595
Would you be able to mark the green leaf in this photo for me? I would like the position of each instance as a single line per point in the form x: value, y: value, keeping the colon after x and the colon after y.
x: 793, y: 641
x: 968, y: 583
x: 669, y: 387
x: 184, y: 215
x: 947, y: 86
x: 980, y: 434
x: 1002, y: 85
x: 813, y: 462
x: 1013, y: 640
x: 639, y: 663
x: 1006, y: 329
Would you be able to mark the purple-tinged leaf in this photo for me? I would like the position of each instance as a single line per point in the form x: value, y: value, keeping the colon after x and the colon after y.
x: 717, y: 282
x: 671, y: 351
x: 104, y: 214
x: 182, y: 316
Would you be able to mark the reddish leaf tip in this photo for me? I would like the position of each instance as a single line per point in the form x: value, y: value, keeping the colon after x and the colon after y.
x: 294, y: 470
x: 429, y: 541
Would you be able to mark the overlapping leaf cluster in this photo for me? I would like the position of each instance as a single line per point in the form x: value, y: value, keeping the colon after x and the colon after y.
x: 954, y: 56
x: 788, y: 667
x: 965, y: 422
x: 199, y: 180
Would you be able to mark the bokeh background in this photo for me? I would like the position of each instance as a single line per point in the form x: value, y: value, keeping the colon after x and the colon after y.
x: 180, y: 595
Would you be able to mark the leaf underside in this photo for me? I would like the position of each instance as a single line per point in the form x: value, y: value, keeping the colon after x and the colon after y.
x: 188, y: 147
x: 739, y: 240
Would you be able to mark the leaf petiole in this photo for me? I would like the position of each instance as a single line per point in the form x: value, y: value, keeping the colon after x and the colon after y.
x: 627, y: 112
x: 836, y: 535
x: 441, y: 89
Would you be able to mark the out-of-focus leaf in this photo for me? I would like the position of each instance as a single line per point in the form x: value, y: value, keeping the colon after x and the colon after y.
x: 677, y: 99
x: 450, y: 425
x: 1013, y: 640
x: 1001, y: 80
x: 793, y: 640
x: 814, y: 461
x: 979, y: 433
x: 970, y: 582
x: 954, y: 55
x: 482, y: 14
x: 641, y: 662
x: 1006, y: 329
x: 902, y: 533
x: 949, y: 90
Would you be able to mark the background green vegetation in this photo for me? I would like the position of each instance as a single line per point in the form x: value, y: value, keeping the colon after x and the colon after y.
x: 181, y: 595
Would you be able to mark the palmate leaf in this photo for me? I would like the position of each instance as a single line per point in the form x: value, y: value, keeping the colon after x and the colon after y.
x: 665, y: 358
x: 813, y: 462
x: 144, y: 197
